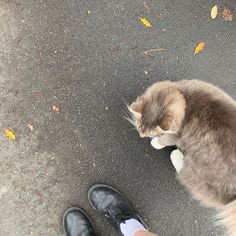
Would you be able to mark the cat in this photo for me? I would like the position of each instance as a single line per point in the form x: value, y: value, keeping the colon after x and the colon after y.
x: 200, y: 120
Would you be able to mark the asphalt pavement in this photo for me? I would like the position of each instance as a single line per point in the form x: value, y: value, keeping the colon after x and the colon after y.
x: 87, y: 59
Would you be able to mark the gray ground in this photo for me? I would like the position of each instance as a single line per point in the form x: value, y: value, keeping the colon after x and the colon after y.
x: 55, y: 52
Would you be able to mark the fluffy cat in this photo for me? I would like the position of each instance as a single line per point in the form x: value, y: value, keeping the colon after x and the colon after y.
x: 200, y: 119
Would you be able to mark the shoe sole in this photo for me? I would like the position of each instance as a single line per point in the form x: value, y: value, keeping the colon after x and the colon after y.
x: 78, y: 209
x: 107, y: 186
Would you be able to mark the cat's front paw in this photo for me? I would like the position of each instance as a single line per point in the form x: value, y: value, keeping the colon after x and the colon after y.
x: 156, y: 144
x: 177, y: 159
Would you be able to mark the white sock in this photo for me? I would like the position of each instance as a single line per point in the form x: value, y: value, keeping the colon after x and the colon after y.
x: 130, y: 227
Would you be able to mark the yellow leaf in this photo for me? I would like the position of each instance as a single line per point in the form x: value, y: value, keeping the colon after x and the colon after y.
x: 145, y: 22
x: 199, y: 47
x: 214, y: 11
x: 10, y: 135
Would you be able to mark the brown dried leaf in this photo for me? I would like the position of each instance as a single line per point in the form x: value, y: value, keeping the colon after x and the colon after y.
x: 227, y: 15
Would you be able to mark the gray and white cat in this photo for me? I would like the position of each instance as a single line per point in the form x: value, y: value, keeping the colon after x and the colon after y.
x: 200, y: 119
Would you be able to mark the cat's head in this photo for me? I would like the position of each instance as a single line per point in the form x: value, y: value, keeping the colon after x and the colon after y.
x: 159, y: 110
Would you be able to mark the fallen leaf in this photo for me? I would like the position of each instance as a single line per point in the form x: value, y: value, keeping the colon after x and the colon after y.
x: 3, y: 190
x: 31, y: 127
x: 40, y: 195
x: 227, y: 15
x: 146, y: 5
x: 55, y: 108
x: 10, y: 135
x: 199, y: 47
x: 46, y: 173
x: 214, y: 11
x: 145, y: 22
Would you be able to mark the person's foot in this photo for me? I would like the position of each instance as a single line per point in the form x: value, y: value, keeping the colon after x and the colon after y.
x: 109, y: 203
x: 77, y: 223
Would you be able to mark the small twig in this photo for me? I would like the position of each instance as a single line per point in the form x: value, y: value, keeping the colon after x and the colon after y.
x: 134, y: 47
x: 155, y: 50
x: 146, y: 5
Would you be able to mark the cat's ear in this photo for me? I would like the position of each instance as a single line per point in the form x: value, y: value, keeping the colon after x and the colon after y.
x: 165, y: 123
x: 136, y: 107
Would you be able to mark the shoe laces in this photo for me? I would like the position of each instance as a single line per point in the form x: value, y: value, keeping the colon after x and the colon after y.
x: 118, y: 216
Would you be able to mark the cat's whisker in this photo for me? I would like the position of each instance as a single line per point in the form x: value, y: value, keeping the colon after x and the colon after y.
x: 123, y: 100
x: 127, y: 115
x: 130, y: 121
x: 126, y: 105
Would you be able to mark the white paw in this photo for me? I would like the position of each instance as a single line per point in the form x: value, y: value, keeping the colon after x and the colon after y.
x: 177, y: 159
x: 156, y: 144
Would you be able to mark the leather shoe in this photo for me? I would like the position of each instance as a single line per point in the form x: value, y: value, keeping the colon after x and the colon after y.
x: 77, y: 223
x: 110, y: 203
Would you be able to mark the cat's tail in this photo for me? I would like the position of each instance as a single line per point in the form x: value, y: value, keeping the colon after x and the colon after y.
x: 227, y: 217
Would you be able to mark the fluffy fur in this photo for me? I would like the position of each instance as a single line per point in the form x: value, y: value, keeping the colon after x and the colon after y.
x: 200, y: 119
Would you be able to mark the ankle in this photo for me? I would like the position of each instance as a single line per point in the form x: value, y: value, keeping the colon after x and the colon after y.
x: 144, y: 233
x: 140, y: 233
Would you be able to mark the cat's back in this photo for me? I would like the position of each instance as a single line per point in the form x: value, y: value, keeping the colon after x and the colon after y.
x: 200, y: 88
x: 208, y: 103
x: 209, y: 111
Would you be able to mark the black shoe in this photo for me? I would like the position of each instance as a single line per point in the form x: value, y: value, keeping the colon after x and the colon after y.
x: 77, y: 223
x: 110, y: 203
